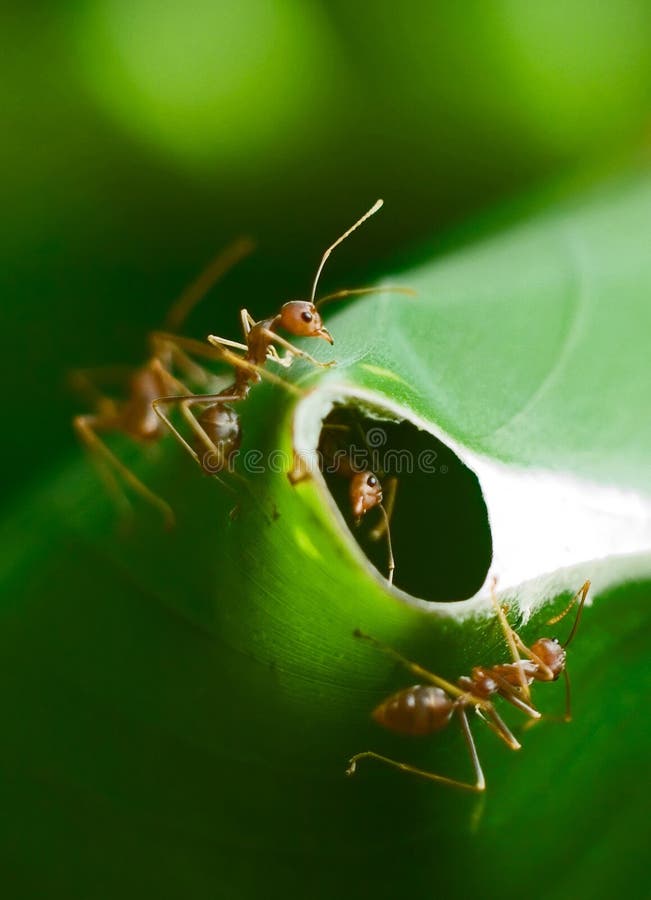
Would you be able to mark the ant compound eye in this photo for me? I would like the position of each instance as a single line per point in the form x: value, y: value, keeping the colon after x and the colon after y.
x: 371, y: 481
x: 307, y: 316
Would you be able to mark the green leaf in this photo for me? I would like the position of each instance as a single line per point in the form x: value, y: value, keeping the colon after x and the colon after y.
x: 180, y: 707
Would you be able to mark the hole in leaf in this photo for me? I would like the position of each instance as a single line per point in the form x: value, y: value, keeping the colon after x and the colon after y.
x: 439, y: 524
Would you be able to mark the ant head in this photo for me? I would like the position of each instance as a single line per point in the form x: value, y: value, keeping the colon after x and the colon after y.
x: 365, y: 493
x: 551, y: 653
x: 302, y: 319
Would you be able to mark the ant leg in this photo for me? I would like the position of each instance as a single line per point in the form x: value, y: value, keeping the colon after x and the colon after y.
x: 85, y: 427
x: 507, y: 692
x: 419, y: 671
x: 582, y: 593
x: 567, y: 716
x: 87, y: 378
x: 274, y: 356
x: 294, y: 351
x: 185, y: 401
x: 247, y: 322
x: 216, y: 340
x: 522, y: 647
x: 214, y: 350
x: 173, y: 384
x: 84, y: 383
x: 166, y: 376
x: 391, y: 563
x: 568, y: 697
x: 512, y: 640
x: 198, y: 348
x: 172, y: 350
x: 239, y: 362
x: 197, y: 374
x: 477, y: 787
x: 390, y: 488
x: 543, y: 667
x: 272, y: 353
x: 82, y: 424
x: 197, y: 290
x: 490, y: 717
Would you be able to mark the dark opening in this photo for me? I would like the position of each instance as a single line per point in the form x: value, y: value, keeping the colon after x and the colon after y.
x: 439, y: 525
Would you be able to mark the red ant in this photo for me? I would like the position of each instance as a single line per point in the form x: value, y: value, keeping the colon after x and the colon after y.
x: 423, y: 709
x: 365, y: 493
x: 300, y: 318
x: 134, y: 416
x: 365, y: 490
x: 217, y: 428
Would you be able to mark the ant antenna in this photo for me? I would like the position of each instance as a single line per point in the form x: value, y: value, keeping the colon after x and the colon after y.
x: 367, y: 215
x: 195, y: 291
x: 391, y: 565
x: 582, y: 593
x: 510, y: 640
x: 568, y: 696
x: 452, y: 689
x: 356, y: 292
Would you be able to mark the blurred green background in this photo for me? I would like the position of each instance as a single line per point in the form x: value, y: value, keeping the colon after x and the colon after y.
x: 140, y: 136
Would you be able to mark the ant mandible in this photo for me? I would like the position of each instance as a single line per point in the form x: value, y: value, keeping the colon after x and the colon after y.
x: 424, y: 709
x: 134, y: 416
x: 216, y: 430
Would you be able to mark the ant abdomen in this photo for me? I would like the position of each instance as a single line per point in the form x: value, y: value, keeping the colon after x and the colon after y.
x: 222, y: 426
x: 417, y: 710
x: 139, y: 419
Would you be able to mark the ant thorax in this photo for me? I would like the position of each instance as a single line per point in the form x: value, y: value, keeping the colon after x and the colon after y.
x: 258, y: 342
x: 480, y: 684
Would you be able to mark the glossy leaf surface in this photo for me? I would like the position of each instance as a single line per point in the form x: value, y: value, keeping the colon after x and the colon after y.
x: 179, y: 708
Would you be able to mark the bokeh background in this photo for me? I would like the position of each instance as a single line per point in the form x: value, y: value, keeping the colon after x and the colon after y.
x: 142, y: 135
